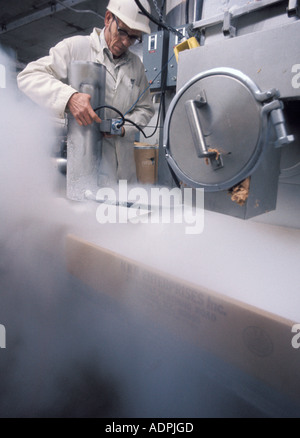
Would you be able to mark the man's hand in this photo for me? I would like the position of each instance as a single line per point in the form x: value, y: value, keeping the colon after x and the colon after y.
x: 80, y: 106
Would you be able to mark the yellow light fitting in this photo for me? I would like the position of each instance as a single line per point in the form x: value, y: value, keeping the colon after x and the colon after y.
x: 191, y: 43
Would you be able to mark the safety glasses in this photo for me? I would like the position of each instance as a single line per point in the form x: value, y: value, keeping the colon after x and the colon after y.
x: 134, y: 39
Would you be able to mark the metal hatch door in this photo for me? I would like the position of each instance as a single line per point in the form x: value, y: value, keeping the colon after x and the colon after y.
x: 216, y: 129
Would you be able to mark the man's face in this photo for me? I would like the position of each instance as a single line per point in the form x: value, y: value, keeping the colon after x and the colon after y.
x: 119, y: 37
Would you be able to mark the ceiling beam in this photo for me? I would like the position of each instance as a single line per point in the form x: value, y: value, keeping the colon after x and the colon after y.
x: 37, y: 15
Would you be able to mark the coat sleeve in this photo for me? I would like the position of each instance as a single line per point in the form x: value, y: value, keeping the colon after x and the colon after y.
x: 44, y: 80
x: 143, y: 110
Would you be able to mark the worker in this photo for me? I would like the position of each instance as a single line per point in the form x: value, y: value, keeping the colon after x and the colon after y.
x: 45, y: 82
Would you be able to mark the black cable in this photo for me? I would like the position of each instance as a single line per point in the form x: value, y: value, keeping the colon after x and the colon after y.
x: 160, y: 14
x: 114, y: 109
x: 157, y: 22
x: 141, y: 130
x: 123, y: 119
x: 187, y: 7
x: 162, y: 7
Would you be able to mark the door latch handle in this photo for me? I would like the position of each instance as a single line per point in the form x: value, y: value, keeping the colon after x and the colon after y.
x: 192, y: 111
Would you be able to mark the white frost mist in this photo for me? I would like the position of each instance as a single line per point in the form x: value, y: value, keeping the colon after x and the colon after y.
x: 50, y: 366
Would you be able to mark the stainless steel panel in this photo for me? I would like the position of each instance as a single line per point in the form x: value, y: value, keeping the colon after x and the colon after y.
x: 84, y: 142
x: 267, y: 57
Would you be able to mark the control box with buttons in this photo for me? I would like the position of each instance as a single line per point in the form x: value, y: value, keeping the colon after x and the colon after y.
x: 155, y: 48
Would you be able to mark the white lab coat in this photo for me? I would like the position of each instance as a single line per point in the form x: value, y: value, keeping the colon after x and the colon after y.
x: 45, y: 82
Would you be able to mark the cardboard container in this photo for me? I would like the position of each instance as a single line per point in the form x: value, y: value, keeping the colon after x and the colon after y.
x: 252, y: 340
x: 146, y: 160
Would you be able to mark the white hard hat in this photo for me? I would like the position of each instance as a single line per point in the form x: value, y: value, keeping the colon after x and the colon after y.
x: 131, y: 15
